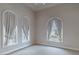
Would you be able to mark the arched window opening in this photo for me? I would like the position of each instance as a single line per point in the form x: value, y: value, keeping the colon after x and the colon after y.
x: 55, y: 30
x: 10, y: 30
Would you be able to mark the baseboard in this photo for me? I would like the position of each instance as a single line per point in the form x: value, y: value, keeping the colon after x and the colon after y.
x: 18, y: 50
x: 68, y: 48
x: 13, y: 49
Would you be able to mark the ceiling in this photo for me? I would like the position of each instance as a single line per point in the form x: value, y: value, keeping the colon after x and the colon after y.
x: 40, y: 6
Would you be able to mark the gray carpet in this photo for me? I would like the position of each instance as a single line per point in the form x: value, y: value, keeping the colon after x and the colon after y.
x: 44, y: 50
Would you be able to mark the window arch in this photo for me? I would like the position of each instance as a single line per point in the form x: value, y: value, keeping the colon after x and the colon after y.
x: 55, y: 29
x: 9, y: 28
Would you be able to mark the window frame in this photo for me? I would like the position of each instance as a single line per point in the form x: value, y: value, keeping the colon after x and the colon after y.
x: 22, y: 28
x: 2, y: 24
x: 19, y: 25
x: 52, y: 18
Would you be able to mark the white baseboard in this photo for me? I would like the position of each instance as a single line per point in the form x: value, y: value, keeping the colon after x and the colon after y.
x: 14, y: 48
x: 69, y: 48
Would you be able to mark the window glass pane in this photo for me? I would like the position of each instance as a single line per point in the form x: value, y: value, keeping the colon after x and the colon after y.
x: 9, y: 29
x: 25, y: 37
x: 25, y: 30
x: 56, y: 31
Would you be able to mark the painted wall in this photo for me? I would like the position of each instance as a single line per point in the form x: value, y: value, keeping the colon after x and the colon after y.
x: 70, y: 16
x: 21, y: 11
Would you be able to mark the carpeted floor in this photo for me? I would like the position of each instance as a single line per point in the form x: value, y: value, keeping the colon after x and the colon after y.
x: 44, y: 50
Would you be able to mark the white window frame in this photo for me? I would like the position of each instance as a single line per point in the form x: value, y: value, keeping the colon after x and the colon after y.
x: 59, y: 18
x: 18, y: 26
x: 25, y: 18
x: 2, y: 22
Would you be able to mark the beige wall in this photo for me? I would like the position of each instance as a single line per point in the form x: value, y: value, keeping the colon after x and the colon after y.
x: 21, y: 11
x: 70, y: 14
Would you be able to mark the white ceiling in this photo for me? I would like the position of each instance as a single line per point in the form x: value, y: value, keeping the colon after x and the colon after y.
x: 40, y: 6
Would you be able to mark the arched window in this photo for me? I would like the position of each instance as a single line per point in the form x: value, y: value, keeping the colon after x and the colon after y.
x: 9, y: 23
x: 25, y: 30
x: 55, y: 29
